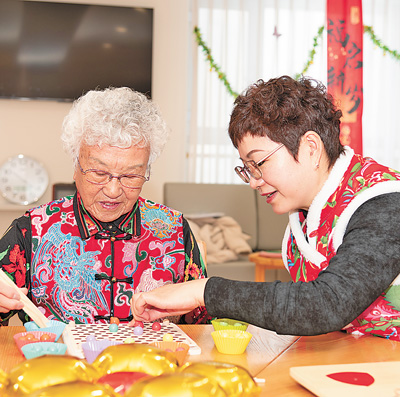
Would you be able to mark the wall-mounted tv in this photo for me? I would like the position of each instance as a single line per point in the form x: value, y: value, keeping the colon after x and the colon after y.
x: 59, y: 51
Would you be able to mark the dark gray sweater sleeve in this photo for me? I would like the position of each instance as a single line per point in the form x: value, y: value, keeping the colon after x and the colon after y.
x: 366, y: 263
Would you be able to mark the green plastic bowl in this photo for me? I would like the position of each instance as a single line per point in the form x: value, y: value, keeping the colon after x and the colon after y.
x: 227, y: 323
x: 38, y: 349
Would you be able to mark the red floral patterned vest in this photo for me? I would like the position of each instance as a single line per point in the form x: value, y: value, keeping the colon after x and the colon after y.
x: 352, y: 181
x: 90, y: 279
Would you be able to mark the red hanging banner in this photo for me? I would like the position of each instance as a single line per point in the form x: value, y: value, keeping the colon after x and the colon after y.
x: 345, y: 66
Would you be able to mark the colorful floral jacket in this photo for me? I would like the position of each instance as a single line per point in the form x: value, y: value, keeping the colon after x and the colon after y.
x: 77, y: 268
x: 311, y: 242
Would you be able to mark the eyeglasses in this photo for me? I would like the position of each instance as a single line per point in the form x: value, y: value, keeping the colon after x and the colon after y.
x: 99, y: 177
x: 252, y: 169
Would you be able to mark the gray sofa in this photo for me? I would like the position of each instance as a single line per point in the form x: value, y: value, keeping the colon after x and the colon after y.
x: 247, y: 207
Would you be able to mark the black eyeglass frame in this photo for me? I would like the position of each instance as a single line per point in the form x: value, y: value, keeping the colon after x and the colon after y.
x: 145, y: 178
x: 245, y: 173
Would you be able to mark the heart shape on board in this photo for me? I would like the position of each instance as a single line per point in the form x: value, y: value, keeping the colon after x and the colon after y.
x: 353, y: 378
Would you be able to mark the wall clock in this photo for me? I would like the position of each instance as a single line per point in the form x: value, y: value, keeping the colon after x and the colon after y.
x: 23, y: 180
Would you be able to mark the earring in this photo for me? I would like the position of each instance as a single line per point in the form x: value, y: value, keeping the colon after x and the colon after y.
x: 316, y: 166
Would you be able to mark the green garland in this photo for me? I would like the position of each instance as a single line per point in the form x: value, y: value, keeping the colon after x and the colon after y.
x: 317, y: 37
x: 312, y: 53
x: 367, y: 29
x: 213, y: 65
x: 377, y: 42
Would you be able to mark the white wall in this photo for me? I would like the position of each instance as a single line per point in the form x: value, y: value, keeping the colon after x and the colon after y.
x: 33, y: 127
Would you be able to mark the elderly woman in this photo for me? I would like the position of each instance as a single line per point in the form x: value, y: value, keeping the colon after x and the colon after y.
x: 342, y: 245
x: 82, y: 257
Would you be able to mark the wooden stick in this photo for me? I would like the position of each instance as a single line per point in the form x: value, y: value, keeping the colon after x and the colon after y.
x: 73, y: 348
x: 29, y: 308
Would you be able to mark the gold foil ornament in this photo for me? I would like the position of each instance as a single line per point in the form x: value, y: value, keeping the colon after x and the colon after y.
x: 233, y: 379
x: 3, y: 382
x: 176, y: 385
x: 121, y: 382
x: 135, y: 357
x: 76, y: 389
x: 38, y: 373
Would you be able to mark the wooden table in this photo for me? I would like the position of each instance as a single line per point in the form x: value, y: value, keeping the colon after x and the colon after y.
x: 263, y: 348
x: 269, y: 356
x: 332, y: 348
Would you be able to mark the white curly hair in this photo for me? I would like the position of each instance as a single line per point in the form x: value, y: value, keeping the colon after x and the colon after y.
x: 118, y: 117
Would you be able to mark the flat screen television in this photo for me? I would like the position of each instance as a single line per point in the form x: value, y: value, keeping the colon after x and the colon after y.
x: 59, y: 51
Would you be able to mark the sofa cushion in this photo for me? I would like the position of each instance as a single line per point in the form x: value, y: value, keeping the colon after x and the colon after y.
x: 241, y: 270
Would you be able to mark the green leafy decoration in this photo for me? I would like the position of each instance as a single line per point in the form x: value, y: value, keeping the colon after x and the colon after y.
x: 212, y: 63
x: 395, y: 54
x: 316, y: 41
x: 311, y: 55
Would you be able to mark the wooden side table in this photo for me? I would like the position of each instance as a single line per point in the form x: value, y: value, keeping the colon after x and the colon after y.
x: 265, y: 260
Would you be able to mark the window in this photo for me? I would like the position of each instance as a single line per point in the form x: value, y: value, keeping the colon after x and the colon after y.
x: 253, y: 39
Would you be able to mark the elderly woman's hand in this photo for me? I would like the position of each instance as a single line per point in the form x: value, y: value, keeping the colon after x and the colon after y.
x: 168, y: 300
x: 9, y: 299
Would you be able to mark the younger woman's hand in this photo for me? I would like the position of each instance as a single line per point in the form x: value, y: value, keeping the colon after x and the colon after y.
x: 168, y: 300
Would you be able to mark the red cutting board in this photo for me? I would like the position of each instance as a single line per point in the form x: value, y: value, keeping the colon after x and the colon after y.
x: 353, y: 380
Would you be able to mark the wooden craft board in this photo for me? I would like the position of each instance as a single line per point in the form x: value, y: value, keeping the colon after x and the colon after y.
x: 75, y: 334
x: 386, y: 379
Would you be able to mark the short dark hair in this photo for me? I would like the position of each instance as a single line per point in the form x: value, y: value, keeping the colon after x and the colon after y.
x: 284, y: 109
